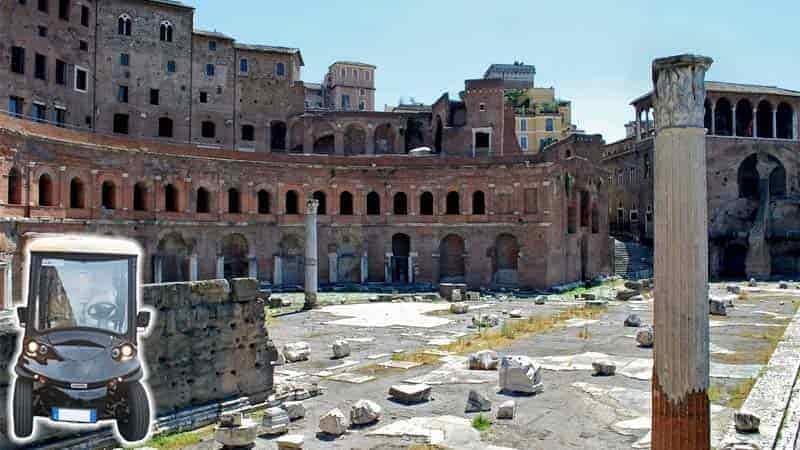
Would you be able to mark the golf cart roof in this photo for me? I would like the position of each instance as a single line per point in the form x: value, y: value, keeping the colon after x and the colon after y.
x: 83, y: 244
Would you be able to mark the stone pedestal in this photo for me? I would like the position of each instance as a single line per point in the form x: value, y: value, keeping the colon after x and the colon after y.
x: 158, y: 263
x: 681, y: 369
x: 193, y: 268
x: 277, y: 272
x: 333, y: 268
x: 220, y: 267
x: 311, y: 254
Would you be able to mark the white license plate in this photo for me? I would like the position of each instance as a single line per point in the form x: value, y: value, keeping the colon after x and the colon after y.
x: 74, y: 415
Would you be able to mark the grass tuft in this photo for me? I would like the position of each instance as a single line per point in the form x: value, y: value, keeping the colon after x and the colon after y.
x: 731, y: 396
x: 481, y: 423
x: 584, y: 333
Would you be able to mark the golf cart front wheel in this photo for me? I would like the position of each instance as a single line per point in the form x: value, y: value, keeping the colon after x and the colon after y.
x: 135, y: 426
x: 23, y: 408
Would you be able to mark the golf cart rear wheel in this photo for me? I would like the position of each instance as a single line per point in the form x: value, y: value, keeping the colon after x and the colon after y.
x: 135, y: 426
x: 23, y: 408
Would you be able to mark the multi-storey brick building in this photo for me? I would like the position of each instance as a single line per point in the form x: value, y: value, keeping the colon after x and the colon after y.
x: 753, y: 179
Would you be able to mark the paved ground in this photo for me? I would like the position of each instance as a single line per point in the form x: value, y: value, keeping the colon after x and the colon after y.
x: 576, y: 410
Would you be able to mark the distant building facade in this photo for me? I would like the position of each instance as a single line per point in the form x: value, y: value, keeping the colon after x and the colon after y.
x: 515, y: 76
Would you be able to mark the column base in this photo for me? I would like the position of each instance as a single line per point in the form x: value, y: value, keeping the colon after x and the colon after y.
x: 311, y: 301
x: 682, y: 426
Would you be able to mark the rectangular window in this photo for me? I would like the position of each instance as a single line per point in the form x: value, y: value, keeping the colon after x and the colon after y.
x: 42, y: 31
x: 548, y: 125
x: 523, y: 142
x: 243, y: 65
x: 61, y: 72
x: 44, y: 6
x: 60, y: 116
x: 531, y: 201
x: 83, y: 46
x: 63, y: 9
x: 210, y: 70
x: 204, y: 97
x: 523, y: 124
x: 81, y: 79
x: 40, y: 67
x: 362, y: 106
x: 39, y: 112
x: 18, y: 60
x: 171, y: 66
x: 122, y: 94
x: 121, y: 123
x: 124, y: 59
x: 345, y: 102
x: 85, y: 16
x: 212, y: 46
x: 154, y: 94
x: 15, y: 105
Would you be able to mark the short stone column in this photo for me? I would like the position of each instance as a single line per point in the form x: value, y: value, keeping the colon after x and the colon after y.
x: 277, y: 271
x: 333, y: 267
x: 311, y: 254
x: 252, y: 267
x: 158, y: 268
x: 220, y: 267
x: 364, y: 268
x: 412, y: 257
x: 194, y: 274
x: 387, y: 268
x: 681, y: 414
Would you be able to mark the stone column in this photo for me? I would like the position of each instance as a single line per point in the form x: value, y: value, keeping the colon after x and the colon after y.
x: 681, y: 371
x: 755, y: 122
x: 733, y: 119
x: 387, y: 268
x: 193, y: 269
x: 637, y: 125
x: 774, y: 122
x: 713, y: 129
x: 759, y: 261
x: 158, y: 263
x: 411, y: 257
x: 311, y: 253
x: 364, y: 268
x: 252, y: 267
x: 338, y: 142
x: 277, y: 272
x: 333, y: 266
x: 220, y: 267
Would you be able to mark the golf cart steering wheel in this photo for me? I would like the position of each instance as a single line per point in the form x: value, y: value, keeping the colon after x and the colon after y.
x: 102, y: 311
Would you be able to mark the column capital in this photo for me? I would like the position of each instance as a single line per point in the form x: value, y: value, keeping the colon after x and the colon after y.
x: 679, y: 91
x: 311, y: 206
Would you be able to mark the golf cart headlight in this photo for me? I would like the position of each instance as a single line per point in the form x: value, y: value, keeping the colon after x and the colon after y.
x: 115, y: 353
x: 32, y: 348
x: 43, y: 350
x: 123, y: 353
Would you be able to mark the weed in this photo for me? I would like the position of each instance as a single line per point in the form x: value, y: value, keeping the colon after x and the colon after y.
x: 179, y: 440
x: 584, y: 333
x: 481, y: 423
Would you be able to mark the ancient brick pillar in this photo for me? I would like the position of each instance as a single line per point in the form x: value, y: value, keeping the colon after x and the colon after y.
x: 311, y: 254
x: 681, y: 370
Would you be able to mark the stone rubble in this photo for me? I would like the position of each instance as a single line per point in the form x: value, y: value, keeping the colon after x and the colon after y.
x: 477, y: 402
x: 633, y: 320
x: 298, y: 351
x: 483, y: 360
x: 341, y: 349
x: 645, y: 336
x: 746, y: 422
x: 717, y: 307
x: 540, y: 300
x: 290, y: 442
x: 604, y: 368
x: 410, y: 393
x: 634, y: 285
x: 485, y: 320
x: 333, y: 422
x: 235, y: 431
x: 520, y: 374
x: 733, y: 289
x: 364, y: 412
x: 507, y: 409
x: 295, y: 410
x: 752, y: 282
x: 515, y: 314
x: 626, y: 294
x: 275, y: 421
x: 459, y: 308
x: 783, y: 285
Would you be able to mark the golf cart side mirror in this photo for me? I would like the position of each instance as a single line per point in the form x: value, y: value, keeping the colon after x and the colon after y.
x: 143, y: 319
x: 22, y: 315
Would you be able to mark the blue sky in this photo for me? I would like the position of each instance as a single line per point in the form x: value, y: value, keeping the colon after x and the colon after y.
x: 595, y: 53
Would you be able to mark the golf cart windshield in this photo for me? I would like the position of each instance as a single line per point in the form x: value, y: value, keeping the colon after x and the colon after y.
x: 81, y: 291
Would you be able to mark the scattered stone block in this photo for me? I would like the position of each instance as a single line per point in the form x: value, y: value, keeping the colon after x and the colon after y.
x: 410, y: 393
x: 333, y: 422
x: 515, y: 314
x: 520, y: 374
x: 634, y: 285
x: 364, y: 412
x: 244, y: 289
x: 645, y: 336
x: 483, y: 360
x: 459, y: 308
x: 540, y: 300
x: 604, y: 368
x: 279, y: 302
x: 290, y: 442
x: 473, y: 296
x: 746, y: 422
x: 783, y: 285
x: 588, y: 296
x: 477, y: 402
x: 733, y: 289
x: 298, y: 351
x: 717, y: 307
x: 626, y: 294
x: 597, y: 303
x: 275, y: 421
x: 230, y: 420
x: 242, y: 435
x: 295, y: 410
x: 636, y: 298
x: 633, y: 320
x: 752, y: 282
x: 507, y: 409
x: 341, y: 349
x: 447, y: 290
x: 485, y: 320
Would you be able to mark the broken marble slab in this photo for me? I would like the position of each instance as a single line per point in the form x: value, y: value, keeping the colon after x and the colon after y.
x: 379, y: 356
x: 404, y: 365
x: 454, y: 371
x: 577, y: 322
x: 725, y: 323
x: 444, y: 431
x: 337, y: 368
x: 381, y: 315
x: 352, y: 378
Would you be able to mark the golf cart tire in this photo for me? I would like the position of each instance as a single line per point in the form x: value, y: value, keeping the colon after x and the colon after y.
x: 134, y: 428
x: 23, y: 408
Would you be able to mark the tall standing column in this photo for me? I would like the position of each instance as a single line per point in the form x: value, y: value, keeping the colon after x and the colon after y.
x: 681, y: 370
x: 311, y: 254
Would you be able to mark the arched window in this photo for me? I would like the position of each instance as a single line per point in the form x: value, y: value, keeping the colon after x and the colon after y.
x: 478, y: 203
x: 278, y: 136
x: 166, y: 31
x: 248, y: 133
x: 744, y: 118
x: 140, y: 197
x: 108, y: 195
x: 373, y: 204
x: 400, y: 204
x: 165, y: 127
x: 45, y: 190
x: 426, y: 204
x: 785, y: 121
x: 453, y: 206
x: 14, y: 187
x: 764, y: 120
x: 77, y: 198
x: 322, y: 207
x: 234, y: 201
x: 723, y: 118
x: 291, y: 202
x: 346, y: 204
x: 208, y: 129
x: 280, y: 69
x: 203, y: 201
x: 263, y: 202
x: 171, y: 198
x: 124, y: 24
x: 707, y: 116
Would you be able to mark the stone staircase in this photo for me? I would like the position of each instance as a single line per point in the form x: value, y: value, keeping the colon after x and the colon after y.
x: 632, y: 260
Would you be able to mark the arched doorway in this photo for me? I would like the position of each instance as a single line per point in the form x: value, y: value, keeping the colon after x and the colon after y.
x: 76, y: 194
x: 384, y: 139
x: 174, y: 255
x: 355, y: 140
x: 723, y: 118
x: 235, y: 254
x: 278, y: 136
x: 348, y: 260
x: 785, y: 121
x: 451, y: 259
x: 401, y: 251
x: 744, y: 118
x: 290, y: 251
x: 414, y: 136
x: 505, y: 261
x: 734, y: 261
x: 748, y: 177
x: 764, y: 119
x: 322, y: 205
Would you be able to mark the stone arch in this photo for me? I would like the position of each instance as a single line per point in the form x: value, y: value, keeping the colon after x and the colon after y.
x: 764, y: 119
x: 124, y: 24
x: 785, y: 258
x: 426, y: 204
x: 140, y: 196
x: 108, y: 195
x: 290, y: 250
x: 235, y: 252
x: 734, y: 259
x: 748, y: 177
x: 451, y: 259
x: 264, y: 203
x: 453, y: 203
x: 384, y: 139
x: 723, y: 118
x: 400, y: 204
x: 785, y: 121
x: 203, y: 201
x: 291, y: 204
x: 348, y: 260
x: 438, y: 135
x: 277, y: 136
x: 478, y: 203
x: 297, y: 137
x: 14, y: 187
x: 346, y: 204
x: 324, y: 140
x: 744, y: 118
x: 77, y: 194
x: 171, y: 198
x: 46, y: 190
x: 505, y: 260
x: 174, y: 253
x: 321, y: 198
x: 373, y: 204
x: 415, y: 137
x: 401, y: 251
x: 355, y: 140
x: 234, y: 201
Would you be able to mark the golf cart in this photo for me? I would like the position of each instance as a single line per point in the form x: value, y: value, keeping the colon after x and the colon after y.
x: 79, y: 362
